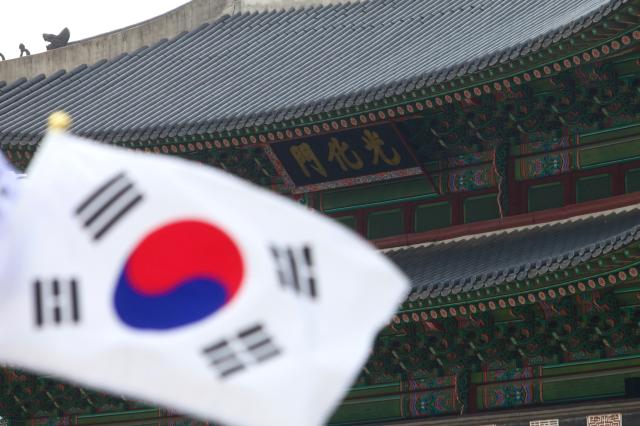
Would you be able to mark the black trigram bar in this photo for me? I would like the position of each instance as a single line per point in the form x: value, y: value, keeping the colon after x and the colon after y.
x: 295, y: 269
x: 107, y: 205
x: 4, y: 191
x: 258, y: 343
x: 56, y: 301
x: 223, y: 358
x: 250, y: 346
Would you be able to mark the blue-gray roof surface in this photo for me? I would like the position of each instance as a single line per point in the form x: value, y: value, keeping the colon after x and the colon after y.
x: 458, y: 266
x: 249, y: 69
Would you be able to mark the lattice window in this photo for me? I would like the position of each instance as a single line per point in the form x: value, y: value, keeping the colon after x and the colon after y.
x: 548, y: 422
x: 605, y: 420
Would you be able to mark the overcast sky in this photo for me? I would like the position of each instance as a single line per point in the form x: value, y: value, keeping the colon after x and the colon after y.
x: 24, y: 21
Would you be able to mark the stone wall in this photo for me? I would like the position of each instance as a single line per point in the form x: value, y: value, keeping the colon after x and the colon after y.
x: 110, y: 45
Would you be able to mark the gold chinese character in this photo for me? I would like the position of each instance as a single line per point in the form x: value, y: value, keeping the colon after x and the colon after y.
x: 338, y: 151
x: 373, y: 143
x: 303, y: 154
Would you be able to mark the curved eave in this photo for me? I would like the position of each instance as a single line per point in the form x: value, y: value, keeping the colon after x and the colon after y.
x: 608, y: 29
x: 522, y: 265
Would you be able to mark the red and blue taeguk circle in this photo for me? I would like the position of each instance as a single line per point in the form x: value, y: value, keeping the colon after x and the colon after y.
x: 178, y: 274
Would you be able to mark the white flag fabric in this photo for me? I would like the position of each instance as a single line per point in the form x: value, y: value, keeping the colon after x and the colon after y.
x: 179, y: 284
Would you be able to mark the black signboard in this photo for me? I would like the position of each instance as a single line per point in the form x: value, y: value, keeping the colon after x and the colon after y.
x: 348, y: 154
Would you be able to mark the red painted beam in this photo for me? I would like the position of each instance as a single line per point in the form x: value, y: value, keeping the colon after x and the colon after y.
x: 544, y: 216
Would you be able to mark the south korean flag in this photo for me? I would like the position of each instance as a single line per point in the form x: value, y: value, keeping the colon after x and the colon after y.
x: 178, y: 284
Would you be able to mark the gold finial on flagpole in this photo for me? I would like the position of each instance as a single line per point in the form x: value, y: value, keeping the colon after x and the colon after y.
x: 59, y: 121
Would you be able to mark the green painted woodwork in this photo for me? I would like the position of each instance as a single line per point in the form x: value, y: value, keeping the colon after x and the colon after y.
x: 377, y: 390
x: 569, y: 389
x: 590, y: 366
x: 624, y: 149
x: 432, y: 216
x: 368, y: 410
x: 348, y: 221
x: 385, y: 223
x: 148, y: 417
x: 627, y: 295
x: 373, y: 195
x: 593, y: 188
x: 111, y: 418
x: 545, y: 196
x: 483, y: 207
x: 632, y: 180
x: 630, y: 132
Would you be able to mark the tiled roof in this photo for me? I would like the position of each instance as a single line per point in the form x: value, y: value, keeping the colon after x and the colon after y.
x: 473, y: 263
x: 251, y: 69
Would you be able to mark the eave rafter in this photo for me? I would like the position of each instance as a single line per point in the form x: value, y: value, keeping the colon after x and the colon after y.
x: 547, y: 282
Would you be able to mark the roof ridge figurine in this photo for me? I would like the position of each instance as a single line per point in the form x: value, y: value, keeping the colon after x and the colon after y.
x: 56, y: 41
x: 24, y: 50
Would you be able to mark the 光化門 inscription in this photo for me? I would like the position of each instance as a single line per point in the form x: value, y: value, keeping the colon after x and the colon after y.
x: 352, y: 153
